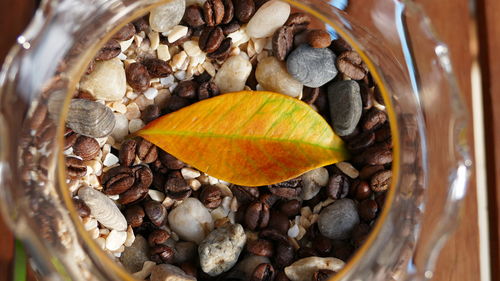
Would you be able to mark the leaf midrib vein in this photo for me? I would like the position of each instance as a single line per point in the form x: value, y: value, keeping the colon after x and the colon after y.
x: 244, y: 137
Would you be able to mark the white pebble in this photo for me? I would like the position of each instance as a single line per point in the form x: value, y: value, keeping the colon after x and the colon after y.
x: 233, y: 74
x: 107, y: 82
x: 348, y: 169
x: 180, y: 75
x: 101, y: 242
x: 268, y: 18
x: 133, y: 111
x: 126, y: 44
x: 178, y: 60
x: 130, y: 237
x: 212, y: 180
x: 132, y: 95
x: 177, y: 32
x: 135, y: 125
x: 109, y: 160
x: 154, y: 40
x: 94, y: 233
x: 114, y: 197
x: 192, y: 48
x: 293, y: 231
x: 118, y: 106
x: 209, y: 67
x: 194, y: 184
x: 163, y: 18
x: 190, y: 173
x: 151, y: 94
x: 89, y: 223
x: 167, y: 81
x: 121, y: 127
x: 115, y: 239
x: 162, y: 52
x: 104, y: 231
x: 143, y: 102
x: 191, y: 220
x: 239, y: 37
x: 273, y: 76
x: 156, y: 195
x: 122, y: 56
x: 146, y: 270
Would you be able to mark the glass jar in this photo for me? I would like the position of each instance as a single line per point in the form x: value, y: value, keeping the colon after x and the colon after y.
x: 431, y: 162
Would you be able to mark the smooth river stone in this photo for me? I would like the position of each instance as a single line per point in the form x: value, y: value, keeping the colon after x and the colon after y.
x: 107, y: 82
x: 191, y: 220
x: 338, y: 220
x: 271, y: 74
x: 313, y: 67
x: 268, y: 18
x: 346, y: 106
x: 233, y: 74
x: 164, y: 17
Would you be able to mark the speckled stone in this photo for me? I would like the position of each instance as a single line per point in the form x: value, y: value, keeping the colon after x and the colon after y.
x: 337, y: 220
x: 220, y: 250
x: 312, y: 67
x: 346, y: 106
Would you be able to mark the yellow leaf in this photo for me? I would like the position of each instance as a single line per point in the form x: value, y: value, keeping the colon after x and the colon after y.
x: 248, y: 138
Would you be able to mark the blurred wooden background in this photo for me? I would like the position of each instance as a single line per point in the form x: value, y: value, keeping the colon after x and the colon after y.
x: 459, y: 261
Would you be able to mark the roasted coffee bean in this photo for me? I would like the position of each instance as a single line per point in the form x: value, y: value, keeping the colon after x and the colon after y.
x: 207, y: 90
x: 366, y: 96
x: 359, y: 234
x: 287, y: 189
x: 257, y: 216
x: 245, y: 194
x: 374, y: 119
x: 137, y: 76
x: 259, y: 3
x: 338, y: 186
x: 339, y: 46
x: 158, y: 236
x: 378, y: 95
x: 186, y: 89
x: 378, y: 154
x: 125, y: 33
x: 322, y: 245
x: 361, y: 190
x: 136, y: 193
x: 282, y: 42
x: 146, y: 151
x: 69, y: 138
x: 230, y: 27
x: 223, y: 51
x: 86, y: 147
x: 143, y: 176
x: 342, y: 250
x: 309, y: 95
x: 162, y: 254
x: 193, y: 16
x: 368, y: 171
x: 350, y: 64
x: 81, y: 208
x: 110, y: 50
x: 141, y: 24
x: 273, y: 235
x: 150, y: 113
x: 211, y: 38
x: 244, y: 10
x: 381, y: 180
x: 368, y: 209
x: 202, y: 78
x: 157, y: 68
x: 260, y: 247
x: 177, y: 188
x: 383, y: 133
x: 268, y: 199
x: 127, y: 152
x: 305, y: 252
x: 213, y: 11
x: 228, y: 11
x: 298, y: 22
x: 75, y: 168
x: 135, y: 215
x: 170, y: 161
x: 323, y: 275
x: 211, y: 196
x: 38, y: 116
x: 117, y: 180
x: 189, y: 268
x: 361, y: 142
x: 380, y: 199
x: 263, y: 272
x: 318, y: 38
x: 175, y: 103
x: 291, y: 208
x: 281, y: 276
x: 284, y: 255
x: 156, y: 212
x: 279, y: 222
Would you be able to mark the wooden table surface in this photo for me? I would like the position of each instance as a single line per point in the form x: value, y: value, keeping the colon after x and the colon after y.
x: 459, y: 260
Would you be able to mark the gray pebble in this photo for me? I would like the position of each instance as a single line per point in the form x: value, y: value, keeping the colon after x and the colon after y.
x: 220, y: 250
x: 134, y: 256
x: 345, y: 106
x: 337, y: 220
x: 313, y: 67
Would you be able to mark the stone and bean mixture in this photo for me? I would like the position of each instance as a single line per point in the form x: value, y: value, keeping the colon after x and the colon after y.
x: 164, y: 220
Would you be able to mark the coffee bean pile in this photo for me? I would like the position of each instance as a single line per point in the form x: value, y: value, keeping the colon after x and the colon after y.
x: 177, y: 222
